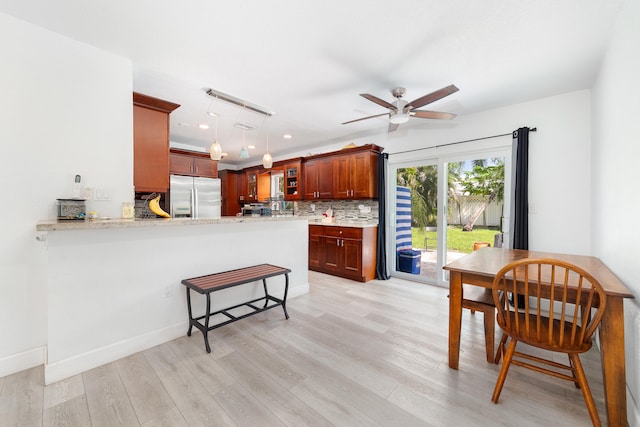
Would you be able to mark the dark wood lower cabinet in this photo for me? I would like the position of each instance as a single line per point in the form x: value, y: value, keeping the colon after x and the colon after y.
x: 348, y: 252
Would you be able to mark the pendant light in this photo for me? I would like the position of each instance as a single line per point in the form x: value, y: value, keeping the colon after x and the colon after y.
x: 215, y: 151
x: 267, y: 160
x: 244, y: 153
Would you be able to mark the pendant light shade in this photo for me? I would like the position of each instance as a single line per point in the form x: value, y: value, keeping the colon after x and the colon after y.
x: 267, y: 161
x: 244, y: 153
x: 215, y: 151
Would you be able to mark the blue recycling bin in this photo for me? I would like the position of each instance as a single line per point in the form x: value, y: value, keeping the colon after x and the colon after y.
x: 409, y: 261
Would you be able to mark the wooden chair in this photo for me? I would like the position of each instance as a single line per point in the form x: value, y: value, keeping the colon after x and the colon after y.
x: 563, y: 305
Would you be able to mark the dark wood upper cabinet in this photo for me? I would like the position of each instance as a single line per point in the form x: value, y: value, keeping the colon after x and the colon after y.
x: 151, y: 143
x: 346, y: 174
x: 355, y: 175
x: 192, y: 164
x: 318, y: 178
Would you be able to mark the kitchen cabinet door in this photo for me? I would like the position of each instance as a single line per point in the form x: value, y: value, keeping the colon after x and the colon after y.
x: 318, y: 179
x: 205, y: 167
x: 293, y: 181
x: 314, y: 250
x: 355, y: 176
x: 151, y: 143
x: 352, y: 257
x: 180, y: 164
x: 251, y: 178
x: 230, y: 197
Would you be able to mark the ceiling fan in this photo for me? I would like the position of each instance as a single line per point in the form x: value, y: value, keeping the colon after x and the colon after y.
x: 401, y: 110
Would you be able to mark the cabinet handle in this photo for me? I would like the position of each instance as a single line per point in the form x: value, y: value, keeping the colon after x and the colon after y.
x: 337, y: 242
x: 342, y: 243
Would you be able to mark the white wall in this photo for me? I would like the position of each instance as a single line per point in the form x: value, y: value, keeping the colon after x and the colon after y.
x: 615, y: 156
x: 125, y: 295
x: 65, y: 109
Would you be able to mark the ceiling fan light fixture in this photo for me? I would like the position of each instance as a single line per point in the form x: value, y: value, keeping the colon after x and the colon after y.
x: 399, y: 118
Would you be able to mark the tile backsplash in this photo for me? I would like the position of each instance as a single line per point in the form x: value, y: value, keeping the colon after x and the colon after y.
x: 343, y: 210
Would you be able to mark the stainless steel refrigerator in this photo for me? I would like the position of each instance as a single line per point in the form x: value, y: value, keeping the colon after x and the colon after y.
x: 193, y: 197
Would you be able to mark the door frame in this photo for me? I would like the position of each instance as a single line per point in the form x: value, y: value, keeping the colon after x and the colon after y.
x: 497, y: 147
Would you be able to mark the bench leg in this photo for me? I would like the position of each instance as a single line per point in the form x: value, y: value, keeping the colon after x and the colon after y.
x: 284, y: 299
x: 205, y: 331
x: 266, y: 293
x: 189, y: 309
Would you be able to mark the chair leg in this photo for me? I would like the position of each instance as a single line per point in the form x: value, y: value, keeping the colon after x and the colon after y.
x: 502, y: 376
x: 500, y: 352
x: 586, y: 391
x: 573, y: 372
x: 489, y: 334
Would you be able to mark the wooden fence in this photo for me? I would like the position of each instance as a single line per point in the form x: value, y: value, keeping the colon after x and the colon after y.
x: 460, y: 213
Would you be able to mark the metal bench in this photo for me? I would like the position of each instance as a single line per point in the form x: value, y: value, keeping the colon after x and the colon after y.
x: 215, y: 282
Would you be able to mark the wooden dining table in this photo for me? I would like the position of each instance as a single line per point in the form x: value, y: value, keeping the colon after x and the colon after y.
x: 479, y: 269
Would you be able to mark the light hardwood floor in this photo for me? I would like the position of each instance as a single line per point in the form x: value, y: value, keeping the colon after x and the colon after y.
x: 351, y: 354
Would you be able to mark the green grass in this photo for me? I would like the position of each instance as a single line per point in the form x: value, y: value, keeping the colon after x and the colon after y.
x: 457, y: 240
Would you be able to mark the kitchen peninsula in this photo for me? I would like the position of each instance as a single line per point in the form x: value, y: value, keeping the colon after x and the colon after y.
x: 114, y: 285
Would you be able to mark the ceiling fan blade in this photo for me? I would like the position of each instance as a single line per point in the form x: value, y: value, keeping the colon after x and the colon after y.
x: 432, y: 115
x: 432, y: 97
x: 393, y: 127
x: 365, y: 118
x: 378, y: 101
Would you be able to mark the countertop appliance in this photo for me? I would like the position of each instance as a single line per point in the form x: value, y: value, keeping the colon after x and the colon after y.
x: 194, y: 197
x: 256, y: 209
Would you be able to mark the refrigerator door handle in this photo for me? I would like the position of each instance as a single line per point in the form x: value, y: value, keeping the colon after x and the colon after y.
x: 194, y: 203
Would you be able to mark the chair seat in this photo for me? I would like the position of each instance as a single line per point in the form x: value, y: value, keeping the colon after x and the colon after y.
x: 475, y: 295
x: 476, y: 298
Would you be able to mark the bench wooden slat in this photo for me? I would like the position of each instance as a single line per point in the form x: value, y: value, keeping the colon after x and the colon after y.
x: 227, y: 279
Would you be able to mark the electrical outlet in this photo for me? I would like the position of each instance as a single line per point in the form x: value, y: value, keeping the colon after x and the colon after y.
x: 101, y: 194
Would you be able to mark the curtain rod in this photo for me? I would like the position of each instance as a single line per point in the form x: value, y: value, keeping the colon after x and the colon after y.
x: 514, y: 134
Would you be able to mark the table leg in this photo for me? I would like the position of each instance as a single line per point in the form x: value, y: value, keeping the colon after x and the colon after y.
x: 455, y: 317
x: 613, y: 363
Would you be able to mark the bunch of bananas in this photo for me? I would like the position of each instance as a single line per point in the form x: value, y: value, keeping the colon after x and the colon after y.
x: 154, y: 205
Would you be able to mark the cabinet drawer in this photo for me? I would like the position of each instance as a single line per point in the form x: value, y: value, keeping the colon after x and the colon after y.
x: 344, y: 232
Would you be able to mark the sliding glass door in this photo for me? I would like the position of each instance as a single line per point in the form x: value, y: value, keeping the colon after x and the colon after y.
x: 444, y: 208
x: 416, y: 211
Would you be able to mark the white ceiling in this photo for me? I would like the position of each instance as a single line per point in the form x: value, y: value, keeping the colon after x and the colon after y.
x: 308, y: 60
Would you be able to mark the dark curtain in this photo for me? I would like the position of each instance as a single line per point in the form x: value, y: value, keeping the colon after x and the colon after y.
x: 520, y: 230
x: 382, y: 272
x: 520, y: 204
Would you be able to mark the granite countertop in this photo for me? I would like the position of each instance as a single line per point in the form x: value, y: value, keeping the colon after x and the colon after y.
x: 102, y: 224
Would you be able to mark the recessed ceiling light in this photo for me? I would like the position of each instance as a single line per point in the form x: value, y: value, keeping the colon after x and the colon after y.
x: 251, y: 147
x: 287, y: 136
x: 224, y: 154
x: 203, y: 126
x: 213, y: 113
x: 184, y: 124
